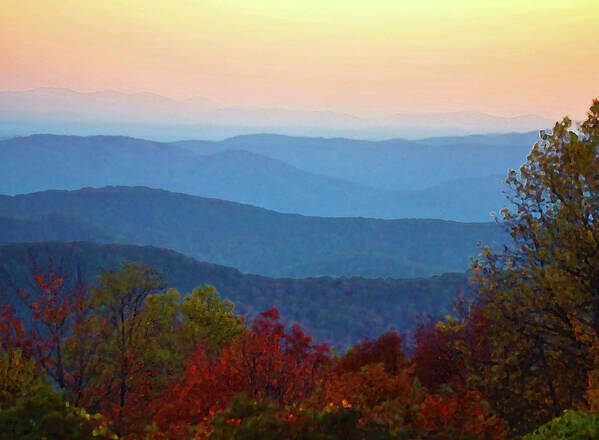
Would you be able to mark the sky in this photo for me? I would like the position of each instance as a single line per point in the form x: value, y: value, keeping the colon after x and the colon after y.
x: 369, y: 57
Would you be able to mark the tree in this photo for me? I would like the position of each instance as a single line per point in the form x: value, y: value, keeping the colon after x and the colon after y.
x: 45, y: 415
x: 54, y: 306
x: 248, y: 419
x: 265, y: 362
x: 453, y: 351
x: 459, y: 414
x: 118, y: 301
x: 569, y: 426
x: 208, y: 321
x: 541, y: 294
x: 379, y: 397
x: 135, y: 340
x: 13, y: 334
x: 19, y: 378
x: 386, y: 349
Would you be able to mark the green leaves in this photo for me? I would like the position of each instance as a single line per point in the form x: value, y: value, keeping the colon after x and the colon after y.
x: 207, y: 320
x: 45, y: 415
x: 19, y: 378
x: 572, y: 425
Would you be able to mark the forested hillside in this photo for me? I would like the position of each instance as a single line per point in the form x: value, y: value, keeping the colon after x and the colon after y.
x: 251, y: 239
x: 337, y: 310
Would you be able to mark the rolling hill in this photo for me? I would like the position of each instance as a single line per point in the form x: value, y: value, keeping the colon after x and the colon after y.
x: 45, y: 162
x: 253, y: 239
x: 337, y: 310
x: 309, y: 176
x: 391, y: 165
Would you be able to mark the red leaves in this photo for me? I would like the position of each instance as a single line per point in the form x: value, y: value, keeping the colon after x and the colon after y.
x: 12, y: 333
x: 125, y: 369
x: 448, y: 350
x: 387, y: 349
x: 264, y: 362
x: 458, y: 415
x: 54, y: 304
x: 54, y: 309
x: 435, y: 358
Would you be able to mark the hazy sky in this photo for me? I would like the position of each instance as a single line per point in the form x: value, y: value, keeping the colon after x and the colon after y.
x: 504, y: 57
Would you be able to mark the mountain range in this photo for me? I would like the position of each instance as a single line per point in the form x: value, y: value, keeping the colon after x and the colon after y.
x: 65, y: 111
x: 251, y: 239
x: 456, y: 178
x: 392, y: 165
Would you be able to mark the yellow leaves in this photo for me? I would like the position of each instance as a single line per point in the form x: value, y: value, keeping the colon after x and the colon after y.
x: 378, y: 395
x: 19, y: 376
x: 450, y: 324
x: 208, y: 320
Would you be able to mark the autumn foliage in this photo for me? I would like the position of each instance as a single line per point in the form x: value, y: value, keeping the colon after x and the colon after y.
x: 265, y: 362
x: 148, y: 364
x: 128, y: 358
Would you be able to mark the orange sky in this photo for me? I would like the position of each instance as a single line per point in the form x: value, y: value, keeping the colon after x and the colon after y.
x: 505, y: 57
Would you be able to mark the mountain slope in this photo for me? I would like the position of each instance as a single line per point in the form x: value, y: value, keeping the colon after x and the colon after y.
x: 50, y: 226
x: 259, y: 177
x: 392, y: 165
x: 44, y: 162
x: 338, y: 310
x: 266, y: 242
x: 465, y: 199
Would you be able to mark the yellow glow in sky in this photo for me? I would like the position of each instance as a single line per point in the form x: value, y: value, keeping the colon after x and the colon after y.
x: 498, y: 56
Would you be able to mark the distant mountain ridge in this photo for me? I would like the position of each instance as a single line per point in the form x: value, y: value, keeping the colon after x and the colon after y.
x: 337, y: 310
x: 42, y: 162
x: 310, y: 176
x: 391, y: 165
x: 251, y: 239
x: 58, y: 110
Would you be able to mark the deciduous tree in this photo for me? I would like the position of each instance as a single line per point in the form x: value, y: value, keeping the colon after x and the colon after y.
x: 541, y: 293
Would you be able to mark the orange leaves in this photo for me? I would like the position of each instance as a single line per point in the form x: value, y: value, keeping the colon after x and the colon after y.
x: 374, y: 380
x: 12, y: 333
x: 367, y: 388
x: 52, y: 284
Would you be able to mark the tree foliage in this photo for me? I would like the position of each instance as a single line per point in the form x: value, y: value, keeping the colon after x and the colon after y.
x: 45, y: 415
x: 541, y: 294
x: 571, y: 425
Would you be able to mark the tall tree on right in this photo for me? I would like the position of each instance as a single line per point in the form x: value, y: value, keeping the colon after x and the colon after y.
x: 541, y: 293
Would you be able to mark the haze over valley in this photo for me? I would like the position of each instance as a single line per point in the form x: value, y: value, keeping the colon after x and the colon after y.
x: 153, y: 116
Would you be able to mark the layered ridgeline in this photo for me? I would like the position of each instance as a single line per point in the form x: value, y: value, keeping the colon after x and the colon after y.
x: 148, y: 115
x: 393, y: 165
x: 250, y: 239
x: 337, y: 310
x: 458, y: 178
